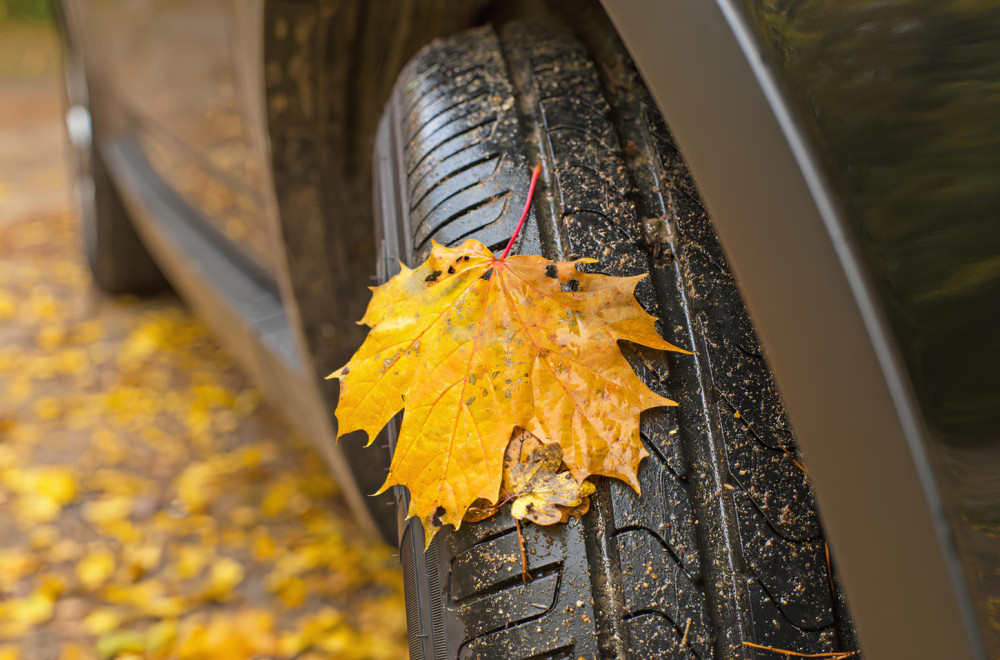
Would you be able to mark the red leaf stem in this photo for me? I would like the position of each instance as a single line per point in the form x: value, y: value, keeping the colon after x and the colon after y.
x: 527, y: 207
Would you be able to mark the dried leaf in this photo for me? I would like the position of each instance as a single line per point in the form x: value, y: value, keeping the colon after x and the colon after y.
x: 123, y: 641
x: 473, y: 346
x: 479, y: 511
x: 103, y: 620
x: 223, y: 577
x: 541, y: 492
x: 110, y: 542
x: 94, y: 569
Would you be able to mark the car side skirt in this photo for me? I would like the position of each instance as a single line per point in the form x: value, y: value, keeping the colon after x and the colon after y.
x: 246, y: 314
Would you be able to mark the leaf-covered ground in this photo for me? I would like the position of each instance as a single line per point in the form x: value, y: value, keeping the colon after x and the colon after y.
x: 151, y: 505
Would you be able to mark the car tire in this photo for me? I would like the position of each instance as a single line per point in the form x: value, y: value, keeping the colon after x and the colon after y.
x: 117, y: 258
x: 724, y: 548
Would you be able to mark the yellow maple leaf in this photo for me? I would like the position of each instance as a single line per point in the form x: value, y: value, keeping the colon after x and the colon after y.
x: 472, y: 346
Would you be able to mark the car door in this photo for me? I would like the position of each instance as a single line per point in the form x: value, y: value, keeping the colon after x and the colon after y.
x: 185, y: 80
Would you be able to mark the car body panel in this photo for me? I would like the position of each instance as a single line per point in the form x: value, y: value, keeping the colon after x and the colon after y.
x: 904, y: 120
x: 810, y: 290
x: 249, y: 307
x: 188, y: 77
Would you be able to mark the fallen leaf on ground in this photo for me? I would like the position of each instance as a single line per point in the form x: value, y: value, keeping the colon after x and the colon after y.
x: 223, y: 577
x: 94, y: 569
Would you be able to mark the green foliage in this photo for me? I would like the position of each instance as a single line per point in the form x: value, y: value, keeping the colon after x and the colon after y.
x: 25, y: 10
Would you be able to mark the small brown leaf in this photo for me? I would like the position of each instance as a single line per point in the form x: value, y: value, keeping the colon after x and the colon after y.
x: 480, y: 510
x: 542, y: 493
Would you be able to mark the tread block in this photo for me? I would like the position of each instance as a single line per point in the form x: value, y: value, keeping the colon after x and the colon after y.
x: 457, y: 154
x: 487, y: 598
x: 664, y: 510
x: 450, y: 120
x: 654, y: 582
x: 527, y: 640
x: 462, y: 147
x: 504, y: 553
x: 774, y: 480
x: 654, y: 636
x: 519, y: 602
x: 659, y: 429
x: 458, y: 181
x: 793, y: 573
x: 462, y: 214
x: 773, y: 629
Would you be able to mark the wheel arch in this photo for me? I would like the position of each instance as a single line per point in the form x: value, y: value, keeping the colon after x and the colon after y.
x: 805, y: 283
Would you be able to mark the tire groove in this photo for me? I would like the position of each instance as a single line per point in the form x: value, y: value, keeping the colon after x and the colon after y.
x: 450, y: 175
x: 456, y: 136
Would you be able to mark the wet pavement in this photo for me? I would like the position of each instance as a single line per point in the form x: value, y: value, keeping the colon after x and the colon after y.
x: 151, y: 504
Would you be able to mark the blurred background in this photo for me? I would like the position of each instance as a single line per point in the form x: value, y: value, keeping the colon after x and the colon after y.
x: 151, y: 504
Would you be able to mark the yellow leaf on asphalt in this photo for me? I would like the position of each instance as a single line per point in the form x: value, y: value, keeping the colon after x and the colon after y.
x: 55, y: 483
x: 33, y: 509
x: 263, y: 545
x: 138, y: 560
x: 108, y: 510
x: 64, y: 550
x: 73, y: 651
x: 47, y: 409
x: 119, y: 482
x: 94, y: 569
x: 224, y: 575
x: 14, y: 565
x: 160, y: 638
x: 50, y: 337
x: 150, y: 597
x: 42, y: 537
x: 23, y: 613
x: 43, y: 492
x: 191, y: 560
x: 117, y: 644
x: 194, y: 486
x: 8, y: 305
x: 246, y: 634
x: 103, y: 620
x: 52, y: 586
x: 293, y: 593
x: 314, y: 628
